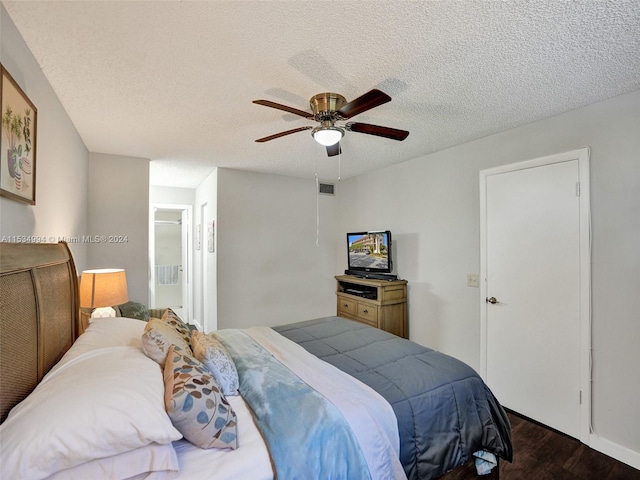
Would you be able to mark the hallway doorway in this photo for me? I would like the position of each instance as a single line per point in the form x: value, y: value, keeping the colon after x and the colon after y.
x: 170, y: 280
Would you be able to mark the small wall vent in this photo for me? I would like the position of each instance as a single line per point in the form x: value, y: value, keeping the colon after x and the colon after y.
x: 326, y: 188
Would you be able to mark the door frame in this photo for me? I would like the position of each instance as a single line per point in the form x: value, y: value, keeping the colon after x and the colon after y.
x: 187, y: 270
x: 583, y: 192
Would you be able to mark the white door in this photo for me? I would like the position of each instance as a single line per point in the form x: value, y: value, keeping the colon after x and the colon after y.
x: 533, y: 292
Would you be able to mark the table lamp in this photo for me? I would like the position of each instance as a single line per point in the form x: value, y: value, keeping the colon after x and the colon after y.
x: 104, y: 287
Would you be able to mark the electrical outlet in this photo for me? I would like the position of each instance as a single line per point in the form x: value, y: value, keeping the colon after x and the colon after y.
x: 473, y: 280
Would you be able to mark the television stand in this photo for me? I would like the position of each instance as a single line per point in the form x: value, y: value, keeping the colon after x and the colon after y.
x: 374, y: 302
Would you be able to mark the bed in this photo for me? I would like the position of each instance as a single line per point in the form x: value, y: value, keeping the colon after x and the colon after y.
x: 314, y: 399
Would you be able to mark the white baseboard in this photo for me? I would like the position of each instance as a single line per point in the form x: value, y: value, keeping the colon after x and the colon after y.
x: 623, y: 454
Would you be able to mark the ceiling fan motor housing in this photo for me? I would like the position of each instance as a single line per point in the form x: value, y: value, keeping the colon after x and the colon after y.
x: 325, y: 105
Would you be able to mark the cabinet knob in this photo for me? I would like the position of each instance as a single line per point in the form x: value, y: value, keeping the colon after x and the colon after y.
x: 365, y: 311
x: 345, y: 305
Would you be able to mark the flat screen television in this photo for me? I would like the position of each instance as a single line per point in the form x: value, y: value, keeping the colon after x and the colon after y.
x: 369, y: 252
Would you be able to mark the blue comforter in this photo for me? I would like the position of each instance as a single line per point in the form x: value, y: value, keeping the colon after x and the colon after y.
x: 445, y: 411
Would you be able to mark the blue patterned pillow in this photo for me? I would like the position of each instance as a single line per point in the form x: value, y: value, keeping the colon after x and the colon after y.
x: 208, y: 350
x: 195, y: 404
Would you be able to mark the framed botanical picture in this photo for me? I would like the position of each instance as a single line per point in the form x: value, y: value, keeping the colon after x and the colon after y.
x: 17, y: 142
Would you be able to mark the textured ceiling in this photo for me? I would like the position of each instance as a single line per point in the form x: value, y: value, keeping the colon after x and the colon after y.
x: 174, y: 81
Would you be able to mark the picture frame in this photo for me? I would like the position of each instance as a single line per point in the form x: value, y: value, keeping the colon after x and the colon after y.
x: 211, y: 236
x: 17, y: 141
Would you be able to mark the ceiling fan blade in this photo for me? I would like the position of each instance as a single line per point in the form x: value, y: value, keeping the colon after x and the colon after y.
x: 282, y: 134
x: 392, y: 133
x: 363, y: 103
x: 278, y: 106
x: 333, y: 150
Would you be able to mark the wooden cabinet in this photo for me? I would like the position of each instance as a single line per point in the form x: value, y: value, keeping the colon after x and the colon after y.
x: 378, y: 303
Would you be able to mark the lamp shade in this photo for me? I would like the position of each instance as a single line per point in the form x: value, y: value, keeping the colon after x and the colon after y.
x: 103, y: 288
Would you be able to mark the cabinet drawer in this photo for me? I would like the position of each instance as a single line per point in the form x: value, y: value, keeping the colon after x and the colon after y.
x: 368, y: 313
x: 346, y: 306
x: 387, y: 310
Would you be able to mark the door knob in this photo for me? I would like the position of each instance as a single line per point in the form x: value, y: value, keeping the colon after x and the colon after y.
x: 491, y: 300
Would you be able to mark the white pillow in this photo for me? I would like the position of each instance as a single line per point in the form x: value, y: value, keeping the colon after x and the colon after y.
x: 161, y: 460
x: 110, y: 332
x: 101, y: 403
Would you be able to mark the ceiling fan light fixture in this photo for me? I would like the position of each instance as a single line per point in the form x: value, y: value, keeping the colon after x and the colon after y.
x: 327, y: 135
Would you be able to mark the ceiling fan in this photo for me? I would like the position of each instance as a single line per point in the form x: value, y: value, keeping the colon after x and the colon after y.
x: 329, y: 108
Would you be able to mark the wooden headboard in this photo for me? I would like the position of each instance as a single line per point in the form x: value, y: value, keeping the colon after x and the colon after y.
x: 38, y: 315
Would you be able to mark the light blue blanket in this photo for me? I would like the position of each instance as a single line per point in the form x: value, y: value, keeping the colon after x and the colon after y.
x: 307, y: 436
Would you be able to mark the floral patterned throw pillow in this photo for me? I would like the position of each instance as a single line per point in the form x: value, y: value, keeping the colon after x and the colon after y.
x: 176, y: 322
x: 195, y: 404
x: 215, y: 357
x: 158, y: 336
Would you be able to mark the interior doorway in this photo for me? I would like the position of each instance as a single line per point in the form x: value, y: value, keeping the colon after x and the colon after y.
x: 170, y: 279
x: 535, y: 294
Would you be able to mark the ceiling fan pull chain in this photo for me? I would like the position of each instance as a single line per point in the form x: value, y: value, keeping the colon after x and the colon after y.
x: 317, y: 203
x: 339, y: 164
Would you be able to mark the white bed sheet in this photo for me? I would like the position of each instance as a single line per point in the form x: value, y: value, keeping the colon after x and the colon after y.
x: 249, y: 461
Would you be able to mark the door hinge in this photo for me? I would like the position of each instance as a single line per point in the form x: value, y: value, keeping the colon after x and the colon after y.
x: 577, y: 189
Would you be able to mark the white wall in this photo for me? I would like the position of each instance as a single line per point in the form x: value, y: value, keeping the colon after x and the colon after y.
x: 266, y: 268
x: 431, y: 204
x: 119, y: 218
x: 171, y: 195
x: 60, y: 212
x: 270, y: 270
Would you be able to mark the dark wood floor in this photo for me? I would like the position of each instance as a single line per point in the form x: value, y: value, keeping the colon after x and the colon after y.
x: 544, y: 454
